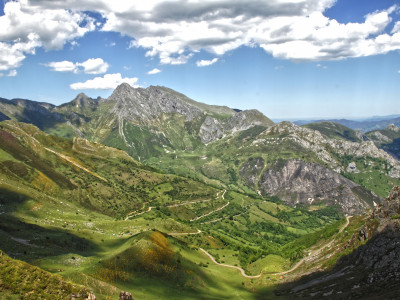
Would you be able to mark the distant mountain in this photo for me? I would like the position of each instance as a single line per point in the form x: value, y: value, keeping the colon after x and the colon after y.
x: 364, y: 125
x: 387, y: 139
x: 336, y: 131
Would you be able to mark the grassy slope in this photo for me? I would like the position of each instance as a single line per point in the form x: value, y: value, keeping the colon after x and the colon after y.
x: 21, y: 280
x: 58, y: 213
x: 222, y: 162
x: 334, y: 131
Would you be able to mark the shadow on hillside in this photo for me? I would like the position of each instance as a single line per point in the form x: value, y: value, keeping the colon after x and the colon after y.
x: 393, y: 148
x: 369, y: 272
x: 27, y: 241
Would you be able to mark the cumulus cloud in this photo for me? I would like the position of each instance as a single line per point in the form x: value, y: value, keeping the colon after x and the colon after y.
x: 63, y: 66
x: 94, y: 66
x: 26, y: 26
x: 154, y: 71
x: 90, y: 66
x: 205, y: 63
x: 294, y: 30
x: 107, y: 82
x: 175, y: 30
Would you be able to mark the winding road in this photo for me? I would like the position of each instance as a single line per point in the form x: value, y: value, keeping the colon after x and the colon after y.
x: 229, y: 266
x: 315, y: 252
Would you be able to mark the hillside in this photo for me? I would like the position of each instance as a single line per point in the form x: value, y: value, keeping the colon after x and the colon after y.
x: 219, y: 146
x: 369, y: 272
x: 144, y: 122
x: 387, y: 139
x: 79, y: 209
x: 151, y: 192
x: 366, y: 125
x: 252, y: 160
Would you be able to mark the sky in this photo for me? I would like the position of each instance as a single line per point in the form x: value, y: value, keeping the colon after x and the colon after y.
x: 290, y: 59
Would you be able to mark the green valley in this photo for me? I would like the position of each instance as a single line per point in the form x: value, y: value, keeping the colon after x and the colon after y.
x: 153, y: 193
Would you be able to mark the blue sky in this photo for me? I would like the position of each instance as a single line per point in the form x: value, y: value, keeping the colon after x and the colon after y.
x: 287, y: 58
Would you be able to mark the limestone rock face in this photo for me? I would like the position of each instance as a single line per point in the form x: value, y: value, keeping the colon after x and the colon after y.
x: 145, y: 105
x: 210, y: 130
x: 302, y: 182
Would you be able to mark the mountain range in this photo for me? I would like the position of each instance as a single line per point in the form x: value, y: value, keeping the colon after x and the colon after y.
x: 126, y: 190
x: 364, y: 125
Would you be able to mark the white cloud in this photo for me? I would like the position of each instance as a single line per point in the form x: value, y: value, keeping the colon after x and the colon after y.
x: 173, y: 31
x: 154, y: 71
x: 26, y: 26
x: 107, y: 82
x: 63, y: 66
x: 204, y: 63
x: 295, y: 30
x: 90, y: 66
x: 322, y: 66
x: 94, y: 66
x: 12, y: 73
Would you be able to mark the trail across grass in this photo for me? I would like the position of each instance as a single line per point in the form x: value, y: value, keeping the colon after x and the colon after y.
x: 315, y: 252
x: 229, y: 266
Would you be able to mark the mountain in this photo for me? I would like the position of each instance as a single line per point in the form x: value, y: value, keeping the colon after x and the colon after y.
x: 156, y: 194
x: 387, y: 139
x: 336, y: 131
x: 141, y: 121
x: 364, y: 125
x: 218, y: 145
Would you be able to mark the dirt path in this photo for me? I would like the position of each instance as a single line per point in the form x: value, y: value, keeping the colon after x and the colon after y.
x: 134, y: 214
x: 315, y: 252
x: 185, y: 233
x: 189, y: 202
x: 211, y: 212
x: 71, y: 161
x: 280, y: 273
x: 229, y: 266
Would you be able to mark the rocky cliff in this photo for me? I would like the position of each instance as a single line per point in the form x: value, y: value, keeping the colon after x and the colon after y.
x: 299, y: 182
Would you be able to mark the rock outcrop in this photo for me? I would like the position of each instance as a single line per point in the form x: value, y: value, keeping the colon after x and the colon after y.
x: 296, y: 181
x: 125, y: 296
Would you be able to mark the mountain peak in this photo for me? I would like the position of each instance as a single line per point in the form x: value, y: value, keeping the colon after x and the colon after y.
x: 124, y: 90
x: 123, y: 87
x: 393, y: 127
